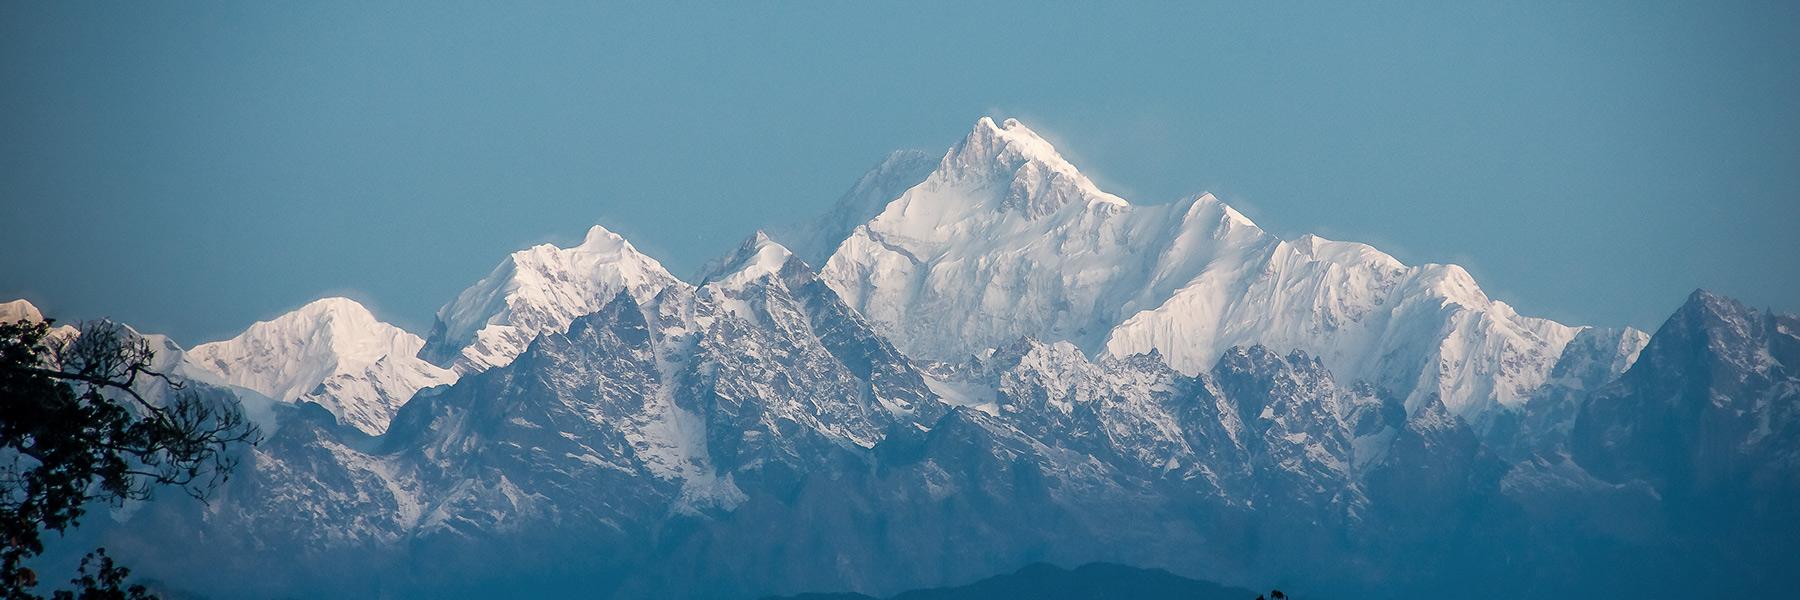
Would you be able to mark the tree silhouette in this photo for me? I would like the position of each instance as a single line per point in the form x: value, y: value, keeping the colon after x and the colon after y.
x: 106, y: 581
x: 77, y: 426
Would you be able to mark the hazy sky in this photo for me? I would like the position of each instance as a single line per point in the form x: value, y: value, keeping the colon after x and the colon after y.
x: 190, y: 168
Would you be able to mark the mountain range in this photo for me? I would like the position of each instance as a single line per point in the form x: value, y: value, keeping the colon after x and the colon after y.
x: 977, y: 363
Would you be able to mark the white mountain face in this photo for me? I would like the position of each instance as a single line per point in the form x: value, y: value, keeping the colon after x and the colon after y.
x: 1006, y: 239
x: 19, y: 310
x: 815, y: 240
x: 535, y: 291
x: 333, y: 352
x: 24, y: 310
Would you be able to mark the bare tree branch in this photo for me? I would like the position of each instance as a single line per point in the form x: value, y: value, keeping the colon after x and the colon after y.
x: 81, y: 427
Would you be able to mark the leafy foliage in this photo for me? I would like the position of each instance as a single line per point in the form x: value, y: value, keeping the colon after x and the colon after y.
x: 101, y: 579
x: 84, y: 418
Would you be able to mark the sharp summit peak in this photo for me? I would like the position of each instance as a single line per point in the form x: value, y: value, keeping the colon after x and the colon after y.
x: 758, y: 255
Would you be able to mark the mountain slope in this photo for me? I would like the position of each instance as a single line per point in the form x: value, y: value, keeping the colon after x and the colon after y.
x: 692, y: 422
x: 536, y: 291
x: 1713, y: 401
x: 814, y: 241
x: 1691, y: 455
x: 1596, y: 357
x: 20, y: 310
x: 1006, y: 239
x: 754, y: 435
x: 682, y: 407
x: 333, y: 352
x: 24, y: 310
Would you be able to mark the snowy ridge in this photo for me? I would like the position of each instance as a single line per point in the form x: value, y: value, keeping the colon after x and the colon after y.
x: 814, y: 240
x: 169, y: 358
x: 24, y: 310
x: 1006, y: 239
x: 1596, y: 357
x: 333, y: 352
x: 674, y: 406
x: 767, y: 307
x: 535, y: 291
x: 758, y: 257
x: 19, y: 310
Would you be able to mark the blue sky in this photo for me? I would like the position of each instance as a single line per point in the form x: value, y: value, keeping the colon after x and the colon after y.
x: 192, y: 167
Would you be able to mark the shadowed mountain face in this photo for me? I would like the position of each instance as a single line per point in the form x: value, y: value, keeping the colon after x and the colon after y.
x: 1002, y: 366
x: 754, y: 436
x: 1094, y: 581
x: 1711, y: 406
x: 1708, y: 418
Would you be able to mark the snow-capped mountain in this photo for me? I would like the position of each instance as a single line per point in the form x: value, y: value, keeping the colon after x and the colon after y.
x: 686, y: 405
x: 1712, y: 402
x: 24, y: 310
x: 332, y: 351
x: 167, y: 358
x: 651, y: 443
x: 1694, y: 452
x: 1006, y: 239
x: 695, y: 421
x: 536, y: 291
x: 19, y: 310
x: 754, y: 434
x: 1596, y: 357
x: 1002, y: 365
